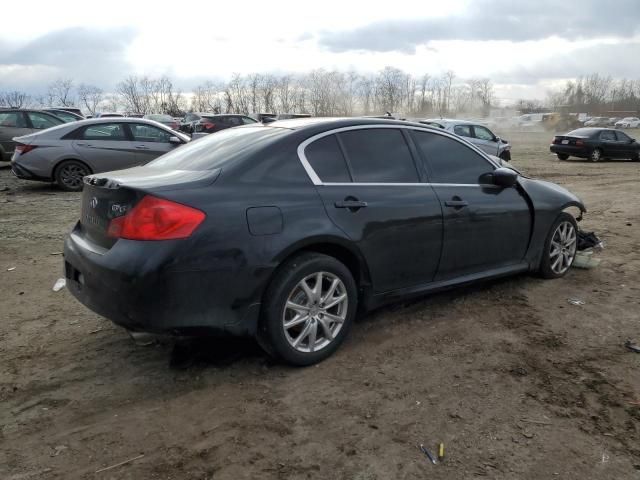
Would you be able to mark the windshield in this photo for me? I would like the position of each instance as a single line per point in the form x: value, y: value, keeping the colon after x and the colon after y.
x: 218, y: 149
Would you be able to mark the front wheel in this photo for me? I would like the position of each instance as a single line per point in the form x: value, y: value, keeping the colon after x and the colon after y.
x: 69, y: 175
x: 559, y: 247
x: 309, y: 308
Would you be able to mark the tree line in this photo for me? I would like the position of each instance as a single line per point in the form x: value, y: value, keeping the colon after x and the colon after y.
x: 323, y: 92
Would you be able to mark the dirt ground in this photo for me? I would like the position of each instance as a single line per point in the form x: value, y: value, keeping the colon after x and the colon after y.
x: 515, y: 381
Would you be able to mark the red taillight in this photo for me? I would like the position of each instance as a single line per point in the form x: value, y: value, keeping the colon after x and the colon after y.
x: 555, y: 140
x: 25, y: 148
x: 156, y: 219
x: 208, y: 125
x: 579, y: 143
x: 174, y: 126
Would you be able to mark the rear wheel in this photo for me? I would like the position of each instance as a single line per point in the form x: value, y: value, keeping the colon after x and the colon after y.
x: 560, y: 247
x: 596, y: 155
x: 562, y: 156
x: 69, y: 175
x: 309, y: 308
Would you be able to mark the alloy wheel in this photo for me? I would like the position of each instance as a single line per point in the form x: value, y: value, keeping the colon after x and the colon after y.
x: 563, y: 247
x: 315, y: 312
x: 72, y: 174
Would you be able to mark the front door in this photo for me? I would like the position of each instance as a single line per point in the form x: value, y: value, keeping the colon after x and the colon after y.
x: 485, y: 226
x: 105, y: 147
x: 150, y: 142
x: 374, y: 195
x: 485, y: 139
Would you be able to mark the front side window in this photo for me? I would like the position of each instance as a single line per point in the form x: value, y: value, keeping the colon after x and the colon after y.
x: 326, y: 159
x: 148, y: 133
x: 449, y: 160
x: 483, y: 134
x: 41, y: 120
x: 379, y: 155
x: 105, y: 131
x: 12, y: 119
x: 248, y: 120
x: 463, y: 130
x: 622, y: 137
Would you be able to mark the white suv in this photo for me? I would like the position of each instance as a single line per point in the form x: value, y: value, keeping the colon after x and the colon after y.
x: 628, y: 122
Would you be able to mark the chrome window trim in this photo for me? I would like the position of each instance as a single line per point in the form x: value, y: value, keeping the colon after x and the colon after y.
x: 426, y: 184
x: 317, y: 181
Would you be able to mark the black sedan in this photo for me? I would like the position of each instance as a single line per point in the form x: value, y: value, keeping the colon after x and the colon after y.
x: 595, y: 144
x: 284, y: 231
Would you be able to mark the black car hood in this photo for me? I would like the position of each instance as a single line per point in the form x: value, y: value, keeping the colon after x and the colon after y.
x: 158, y: 179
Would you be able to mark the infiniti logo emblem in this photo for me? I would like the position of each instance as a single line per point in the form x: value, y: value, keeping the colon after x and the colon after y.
x: 93, y: 202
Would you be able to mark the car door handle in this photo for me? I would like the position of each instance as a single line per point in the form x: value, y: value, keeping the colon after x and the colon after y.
x: 84, y: 144
x: 456, y: 203
x: 142, y: 147
x: 350, y: 204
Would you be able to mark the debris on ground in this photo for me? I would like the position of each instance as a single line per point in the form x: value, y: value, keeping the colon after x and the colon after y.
x: 588, y: 240
x: 11, y: 269
x: 576, y: 301
x: 120, y: 464
x: 59, y: 285
x: 441, y: 452
x: 633, y: 347
x: 585, y: 259
x: 56, y: 253
x: 428, y: 454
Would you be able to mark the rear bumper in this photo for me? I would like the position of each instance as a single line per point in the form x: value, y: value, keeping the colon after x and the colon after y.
x: 569, y: 150
x: 26, y: 174
x: 150, y: 294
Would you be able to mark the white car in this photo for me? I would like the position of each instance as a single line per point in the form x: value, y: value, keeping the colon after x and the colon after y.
x: 628, y: 122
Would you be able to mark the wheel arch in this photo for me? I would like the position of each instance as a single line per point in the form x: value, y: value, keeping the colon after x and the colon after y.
x: 56, y: 166
x: 339, y: 248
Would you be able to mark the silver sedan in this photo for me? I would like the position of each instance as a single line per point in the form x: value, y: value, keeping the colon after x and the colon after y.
x: 67, y: 153
x: 475, y: 133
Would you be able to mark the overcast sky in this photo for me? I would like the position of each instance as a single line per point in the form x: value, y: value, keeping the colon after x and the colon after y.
x: 525, y: 47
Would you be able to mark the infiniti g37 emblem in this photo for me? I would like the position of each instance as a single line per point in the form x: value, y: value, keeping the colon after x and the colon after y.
x: 93, y: 202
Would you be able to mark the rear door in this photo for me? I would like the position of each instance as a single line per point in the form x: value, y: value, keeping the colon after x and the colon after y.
x: 485, y: 139
x: 485, y: 226
x: 372, y: 192
x: 150, y: 142
x: 105, y: 147
x: 12, y: 124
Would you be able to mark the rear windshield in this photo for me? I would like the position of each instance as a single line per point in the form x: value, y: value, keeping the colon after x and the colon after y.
x: 218, y: 149
x: 583, y: 132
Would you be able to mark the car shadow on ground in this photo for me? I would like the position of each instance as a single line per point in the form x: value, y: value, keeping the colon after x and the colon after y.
x: 210, y: 351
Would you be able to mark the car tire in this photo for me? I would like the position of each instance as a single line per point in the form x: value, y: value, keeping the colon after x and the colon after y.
x: 562, y: 156
x: 559, y: 247
x: 69, y: 174
x: 595, y: 155
x: 310, y: 331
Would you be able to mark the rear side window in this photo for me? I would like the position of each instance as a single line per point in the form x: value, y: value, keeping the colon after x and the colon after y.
x: 12, y: 119
x: 327, y: 160
x: 462, y: 130
x: 450, y: 161
x: 104, y: 131
x: 608, y: 136
x: 379, y: 155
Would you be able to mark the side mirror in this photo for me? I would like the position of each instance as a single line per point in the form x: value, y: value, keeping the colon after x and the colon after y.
x: 175, y: 140
x: 497, y: 139
x: 504, y: 177
x: 632, y: 140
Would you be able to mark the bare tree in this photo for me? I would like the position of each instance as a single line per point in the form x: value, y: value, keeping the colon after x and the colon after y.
x: 90, y: 96
x: 15, y: 99
x: 59, y: 93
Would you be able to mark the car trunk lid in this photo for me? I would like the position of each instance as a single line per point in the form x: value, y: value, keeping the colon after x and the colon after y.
x: 110, y: 195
